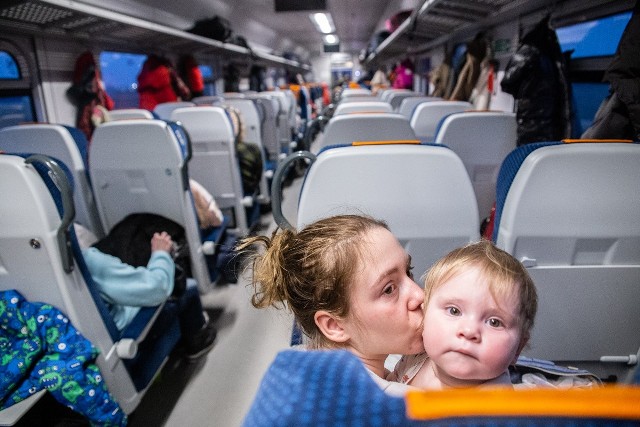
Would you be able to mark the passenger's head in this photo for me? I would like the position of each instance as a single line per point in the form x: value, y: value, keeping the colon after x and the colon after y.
x: 481, y: 299
x: 236, y: 123
x: 347, y: 280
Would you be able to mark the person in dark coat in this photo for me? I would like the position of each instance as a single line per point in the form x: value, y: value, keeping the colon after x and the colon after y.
x: 536, y: 77
x: 619, y: 113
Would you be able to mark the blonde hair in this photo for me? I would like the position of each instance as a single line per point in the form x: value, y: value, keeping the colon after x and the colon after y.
x: 310, y: 270
x: 235, y: 116
x: 501, y: 269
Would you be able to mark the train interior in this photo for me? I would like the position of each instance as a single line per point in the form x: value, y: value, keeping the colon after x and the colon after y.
x: 331, y: 142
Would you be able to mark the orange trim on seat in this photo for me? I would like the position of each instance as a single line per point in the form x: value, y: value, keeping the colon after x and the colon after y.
x: 366, y: 112
x: 392, y: 141
x: 571, y: 141
x: 620, y: 402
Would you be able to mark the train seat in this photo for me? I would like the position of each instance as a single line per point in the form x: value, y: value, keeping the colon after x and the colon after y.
x: 68, y: 145
x: 347, y: 128
x: 251, y: 133
x: 349, y: 92
x: 423, y: 192
x: 482, y: 139
x: 131, y: 113
x: 286, y: 107
x: 208, y: 100
x: 140, y: 166
x: 359, y: 98
x: 386, y: 94
x: 215, y: 163
x: 427, y: 115
x: 270, y: 134
x: 164, y: 109
x: 233, y: 95
x: 396, y: 98
x: 409, y: 104
x: 363, y: 107
x: 332, y: 387
x: 569, y: 212
x: 42, y: 260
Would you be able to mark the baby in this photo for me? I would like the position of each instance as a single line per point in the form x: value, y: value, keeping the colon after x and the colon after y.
x: 480, y: 305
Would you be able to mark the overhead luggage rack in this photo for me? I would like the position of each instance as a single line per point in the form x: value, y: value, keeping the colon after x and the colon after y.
x: 88, y: 22
x: 434, y: 22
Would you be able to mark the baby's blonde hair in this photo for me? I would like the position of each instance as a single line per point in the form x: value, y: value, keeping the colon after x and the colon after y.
x: 502, y: 271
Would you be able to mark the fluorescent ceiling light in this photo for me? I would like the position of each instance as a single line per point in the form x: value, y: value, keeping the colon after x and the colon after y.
x: 330, y: 39
x: 323, y: 22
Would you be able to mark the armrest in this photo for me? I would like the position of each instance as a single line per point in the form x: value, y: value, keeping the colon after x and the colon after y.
x: 137, y: 330
x: 11, y: 415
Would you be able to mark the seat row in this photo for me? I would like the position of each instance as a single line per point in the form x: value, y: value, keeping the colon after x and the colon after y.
x: 144, y: 166
x: 42, y: 260
x: 132, y: 166
x: 482, y: 139
x: 567, y: 210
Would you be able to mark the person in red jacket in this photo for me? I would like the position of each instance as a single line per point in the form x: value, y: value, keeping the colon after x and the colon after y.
x: 158, y: 82
x: 191, y: 75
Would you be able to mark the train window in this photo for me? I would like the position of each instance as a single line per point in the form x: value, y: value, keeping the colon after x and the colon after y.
x: 458, y: 57
x: 16, y: 102
x: 209, y: 81
x: 120, y: 75
x: 587, y: 97
x: 9, y: 69
x: 591, y: 39
x: 599, y: 37
x: 16, y: 108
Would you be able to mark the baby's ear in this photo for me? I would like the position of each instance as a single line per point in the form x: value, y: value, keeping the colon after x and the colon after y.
x: 330, y: 326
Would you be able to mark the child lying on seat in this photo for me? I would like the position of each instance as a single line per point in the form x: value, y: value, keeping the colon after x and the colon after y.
x: 126, y: 288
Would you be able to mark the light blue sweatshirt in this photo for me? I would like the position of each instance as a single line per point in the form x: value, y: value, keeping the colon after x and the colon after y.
x: 126, y: 288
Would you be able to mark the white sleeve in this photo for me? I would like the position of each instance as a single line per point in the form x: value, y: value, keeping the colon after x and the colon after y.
x: 390, y: 387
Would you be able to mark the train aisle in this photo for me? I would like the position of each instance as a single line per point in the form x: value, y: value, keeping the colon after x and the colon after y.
x: 218, y: 389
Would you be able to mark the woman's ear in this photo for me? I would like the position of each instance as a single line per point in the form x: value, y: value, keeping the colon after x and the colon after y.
x: 330, y: 326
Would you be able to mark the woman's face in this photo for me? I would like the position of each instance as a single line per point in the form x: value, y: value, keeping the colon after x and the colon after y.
x: 385, y: 314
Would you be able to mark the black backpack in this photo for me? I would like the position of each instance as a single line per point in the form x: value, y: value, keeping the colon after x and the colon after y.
x: 216, y: 28
x: 130, y: 240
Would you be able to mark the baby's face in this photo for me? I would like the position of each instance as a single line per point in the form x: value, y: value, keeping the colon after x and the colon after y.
x: 469, y: 336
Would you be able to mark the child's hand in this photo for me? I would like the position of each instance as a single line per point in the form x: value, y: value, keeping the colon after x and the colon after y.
x: 161, y: 242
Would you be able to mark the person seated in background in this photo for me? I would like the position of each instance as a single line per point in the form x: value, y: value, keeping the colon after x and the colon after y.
x: 479, y: 308
x: 403, y: 75
x: 127, y: 288
x: 209, y: 214
x: 249, y: 155
x: 379, y: 81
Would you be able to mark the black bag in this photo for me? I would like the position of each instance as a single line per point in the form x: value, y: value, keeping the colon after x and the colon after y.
x: 216, y: 28
x: 130, y: 240
x: 250, y: 160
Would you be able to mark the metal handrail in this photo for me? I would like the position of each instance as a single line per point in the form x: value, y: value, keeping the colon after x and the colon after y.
x: 276, y: 185
x: 60, y: 180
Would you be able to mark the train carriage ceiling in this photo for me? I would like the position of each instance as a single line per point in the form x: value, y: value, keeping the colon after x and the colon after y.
x: 162, y: 24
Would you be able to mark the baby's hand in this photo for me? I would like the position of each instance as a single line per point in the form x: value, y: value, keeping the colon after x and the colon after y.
x: 161, y: 242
